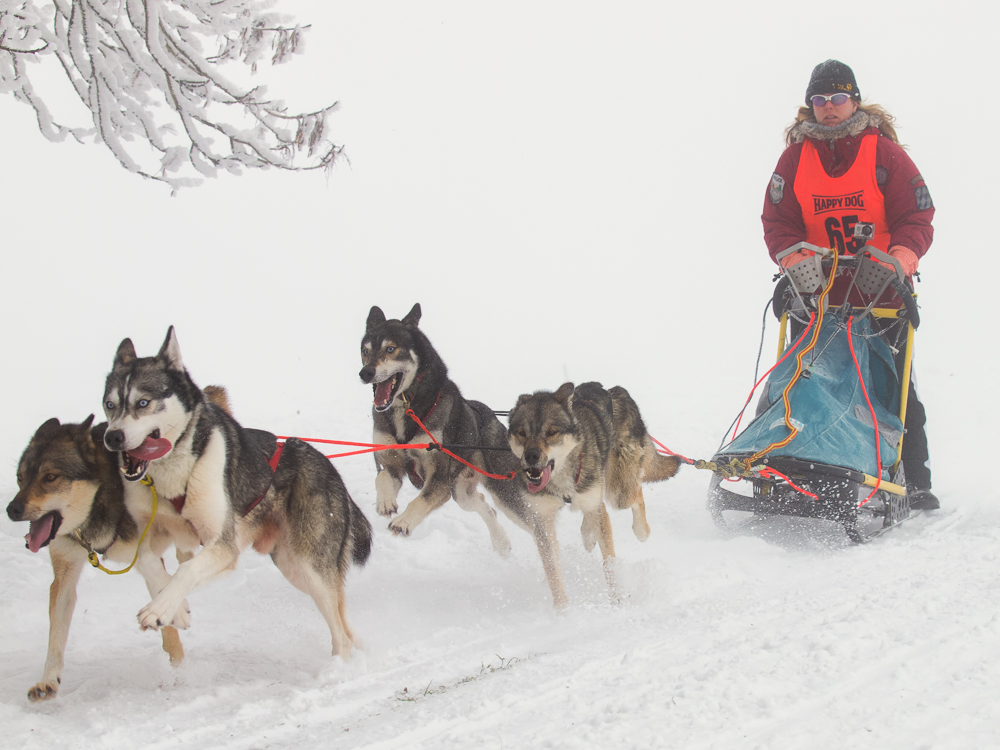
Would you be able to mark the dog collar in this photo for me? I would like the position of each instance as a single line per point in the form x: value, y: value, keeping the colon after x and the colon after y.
x: 78, y: 536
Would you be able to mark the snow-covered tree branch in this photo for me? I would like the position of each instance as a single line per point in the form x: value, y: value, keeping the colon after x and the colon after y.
x: 159, y: 101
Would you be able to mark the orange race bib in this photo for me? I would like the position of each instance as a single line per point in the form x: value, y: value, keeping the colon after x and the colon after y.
x: 831, y: 206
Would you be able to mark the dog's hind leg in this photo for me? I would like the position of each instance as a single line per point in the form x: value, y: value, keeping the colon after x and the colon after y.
x: 66, y: 567
x: 326, y: 593
x: 469, y: 498
x: 640, y: 526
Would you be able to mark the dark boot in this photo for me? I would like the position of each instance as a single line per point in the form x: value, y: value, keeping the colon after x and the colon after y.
x: 922, y: 500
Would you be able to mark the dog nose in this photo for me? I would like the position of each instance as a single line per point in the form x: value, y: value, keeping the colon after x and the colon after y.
x: 367, y: 374
x: 531, y: 456
x: 15, y: 511
x: 114, y: 440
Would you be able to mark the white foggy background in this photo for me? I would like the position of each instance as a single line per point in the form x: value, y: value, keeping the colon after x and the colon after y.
x: 571, y: 191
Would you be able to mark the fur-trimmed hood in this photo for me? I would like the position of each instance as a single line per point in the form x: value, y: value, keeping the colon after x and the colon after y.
x: 856, y: 123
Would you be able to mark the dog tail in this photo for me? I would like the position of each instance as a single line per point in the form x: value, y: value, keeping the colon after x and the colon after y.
x: 658, y: 467
x: 218, y: 395
x: 361, y: 537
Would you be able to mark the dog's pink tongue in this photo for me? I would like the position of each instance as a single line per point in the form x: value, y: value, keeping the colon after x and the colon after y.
x: 546, y: 474
x: 38, y: 532
x: 383, y: 391
x: 151, y: 448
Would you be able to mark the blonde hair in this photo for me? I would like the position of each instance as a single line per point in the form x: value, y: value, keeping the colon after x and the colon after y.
x: 876, y: 112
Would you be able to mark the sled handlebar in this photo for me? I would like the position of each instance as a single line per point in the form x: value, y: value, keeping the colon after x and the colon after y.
x: 784, y: 292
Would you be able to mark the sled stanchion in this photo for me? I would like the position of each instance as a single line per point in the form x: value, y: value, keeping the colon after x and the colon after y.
x: 904, y: 396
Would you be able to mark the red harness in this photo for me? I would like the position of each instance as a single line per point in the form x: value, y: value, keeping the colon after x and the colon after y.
x: 178, y: 502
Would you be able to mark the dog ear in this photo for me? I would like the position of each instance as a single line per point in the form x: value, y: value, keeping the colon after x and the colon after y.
x: 170, y: 352
x: 521, y: 401
x: 562, y: 395
x: 412, y: 318
x: 375, y: 318
x: 48, y: 426
x: 85, y: 441
x: 125, y: 353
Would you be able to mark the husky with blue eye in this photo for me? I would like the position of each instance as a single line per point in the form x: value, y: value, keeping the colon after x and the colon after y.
x: 223, y: 488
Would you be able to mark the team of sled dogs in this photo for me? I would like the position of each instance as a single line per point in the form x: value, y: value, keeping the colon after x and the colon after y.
x: 172, y: 467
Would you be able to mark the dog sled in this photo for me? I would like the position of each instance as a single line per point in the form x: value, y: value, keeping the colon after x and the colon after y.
x: 826, y: 439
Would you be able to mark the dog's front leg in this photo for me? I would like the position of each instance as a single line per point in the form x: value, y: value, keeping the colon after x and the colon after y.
x: 150, y: 565
x: 548, y: 549
x: 387, y: 485
x: 436, y: 492
x: 66, y: 567
x: 212, y: 561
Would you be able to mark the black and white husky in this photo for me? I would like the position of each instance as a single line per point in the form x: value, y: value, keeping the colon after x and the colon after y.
x: 405, y: 373
x: 221, y: 488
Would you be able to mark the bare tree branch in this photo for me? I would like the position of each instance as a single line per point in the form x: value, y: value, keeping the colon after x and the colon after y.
x: 159, y: 103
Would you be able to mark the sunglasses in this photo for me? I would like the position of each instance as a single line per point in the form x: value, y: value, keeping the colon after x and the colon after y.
x: 820, y: 99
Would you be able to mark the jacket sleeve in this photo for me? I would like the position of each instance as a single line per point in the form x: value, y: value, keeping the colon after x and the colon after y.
x: 782, y: 217
x: 908, y: 205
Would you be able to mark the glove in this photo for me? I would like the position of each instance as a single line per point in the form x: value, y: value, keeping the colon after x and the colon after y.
x: 797, y: 257
x: 906, y: 257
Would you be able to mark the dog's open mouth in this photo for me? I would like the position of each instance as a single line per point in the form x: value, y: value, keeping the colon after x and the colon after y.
x: 385, y: 392
x: 538, y: 478
x: 43, y: 531
x: 137, y: 460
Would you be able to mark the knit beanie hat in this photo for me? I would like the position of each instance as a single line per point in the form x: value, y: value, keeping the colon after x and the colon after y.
x: 832, y: 77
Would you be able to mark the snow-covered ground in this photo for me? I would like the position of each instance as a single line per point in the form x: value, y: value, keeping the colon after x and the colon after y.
x: 571, y: 193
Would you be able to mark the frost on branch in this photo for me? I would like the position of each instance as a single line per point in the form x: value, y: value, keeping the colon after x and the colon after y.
x: 159, y: 102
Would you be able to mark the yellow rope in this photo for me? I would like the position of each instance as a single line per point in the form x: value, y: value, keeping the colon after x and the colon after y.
x: 794, y: 431
x: 92, y: 556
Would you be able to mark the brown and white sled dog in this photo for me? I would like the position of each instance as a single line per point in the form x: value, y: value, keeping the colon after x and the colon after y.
x: 221, y: 488
x: 70, y: 491
x: 579, y: 447
x: 406, y: 372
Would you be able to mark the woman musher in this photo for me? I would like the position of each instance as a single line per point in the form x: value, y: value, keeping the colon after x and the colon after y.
x: 843, y: 164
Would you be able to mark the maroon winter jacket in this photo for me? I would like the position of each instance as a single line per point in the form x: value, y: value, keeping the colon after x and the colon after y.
x: 908, y: 206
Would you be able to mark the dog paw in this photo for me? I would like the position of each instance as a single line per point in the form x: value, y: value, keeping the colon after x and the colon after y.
x: 501, y: 545
x: 386, y: 507
x: 44, y: 690
x: 150, y: 619
x: 641, y: 530
x: 402, y: 525
x: 182, y: 617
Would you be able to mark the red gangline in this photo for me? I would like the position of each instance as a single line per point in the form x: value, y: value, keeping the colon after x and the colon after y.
x: 368, y: 447
x: 770, y: 472
x: 415, y: 418
x: 878, y: 442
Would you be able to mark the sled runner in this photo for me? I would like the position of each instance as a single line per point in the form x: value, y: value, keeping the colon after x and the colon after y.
x: 826, y: 439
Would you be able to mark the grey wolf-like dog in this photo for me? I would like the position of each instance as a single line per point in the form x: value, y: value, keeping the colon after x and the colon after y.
x: 223, y: 488
x: 582, y: 446
x: 70, y: 491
